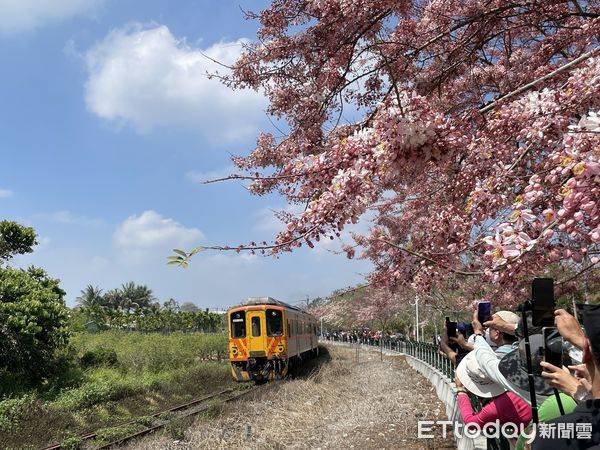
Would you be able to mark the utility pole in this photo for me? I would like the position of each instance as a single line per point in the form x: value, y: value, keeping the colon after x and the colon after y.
x: 417, y: 315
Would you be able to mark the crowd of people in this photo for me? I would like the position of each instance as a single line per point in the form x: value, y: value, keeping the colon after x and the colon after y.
x: 361, y: 336
x: 499, y: 364
x: 503, y: 362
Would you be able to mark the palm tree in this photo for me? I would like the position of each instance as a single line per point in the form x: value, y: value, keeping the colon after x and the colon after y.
x: 136, y: 296
x: 114, y: 299
x: 90, y: 296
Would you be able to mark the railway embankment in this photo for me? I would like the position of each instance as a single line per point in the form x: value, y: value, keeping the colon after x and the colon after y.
x: 335, y: 402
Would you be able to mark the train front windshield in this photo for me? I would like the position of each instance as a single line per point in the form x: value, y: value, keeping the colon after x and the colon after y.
x: 238, y: 324
x: 274, y: 322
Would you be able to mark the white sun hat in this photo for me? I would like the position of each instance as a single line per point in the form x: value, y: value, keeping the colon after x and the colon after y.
x: 509, y: 317
x: 475, y: 380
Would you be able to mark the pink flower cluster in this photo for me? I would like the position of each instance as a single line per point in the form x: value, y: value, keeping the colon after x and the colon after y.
x: 472, y: 128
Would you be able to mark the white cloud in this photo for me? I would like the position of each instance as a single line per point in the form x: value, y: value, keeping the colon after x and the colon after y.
x: 5, y: 193
x: 150, y: 230
x: 26, y: 15
x: 147, y: 78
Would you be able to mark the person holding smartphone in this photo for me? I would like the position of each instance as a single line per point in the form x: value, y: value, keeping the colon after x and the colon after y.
x: 490, y: 361
x: 577, y: 384
x: 502, y: 342
x: 586, y: 415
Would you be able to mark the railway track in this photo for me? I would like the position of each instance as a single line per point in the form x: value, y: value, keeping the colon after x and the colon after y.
x: 177, y: 412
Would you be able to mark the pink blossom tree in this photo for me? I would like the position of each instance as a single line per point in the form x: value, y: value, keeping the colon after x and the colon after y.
x: 379, y: 305
x: 341, y: 311
x: 472, y: 129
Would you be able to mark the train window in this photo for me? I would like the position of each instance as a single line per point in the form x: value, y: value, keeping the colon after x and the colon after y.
x: 274, y: 322
x: 289, y: 328
x: 256, y: 326
x: 238, y: 324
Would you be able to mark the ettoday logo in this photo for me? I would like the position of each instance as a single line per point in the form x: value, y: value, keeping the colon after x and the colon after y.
x: 494, y: 430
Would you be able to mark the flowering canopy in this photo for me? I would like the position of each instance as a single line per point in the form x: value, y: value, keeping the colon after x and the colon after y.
x: 472, y: 128
x: 363, y: 306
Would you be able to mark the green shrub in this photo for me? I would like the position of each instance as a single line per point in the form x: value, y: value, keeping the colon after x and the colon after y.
x: 71, y: 443
x: 12, y: 409
x: 34, y: 321
x: 94, y: 393
x: 113, y: 433
x: 147, y: 421
x: 175, y: 429
x: 99, y: 357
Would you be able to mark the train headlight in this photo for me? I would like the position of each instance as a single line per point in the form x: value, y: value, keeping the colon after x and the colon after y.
x: 234, y: 351
x: 280, y: 348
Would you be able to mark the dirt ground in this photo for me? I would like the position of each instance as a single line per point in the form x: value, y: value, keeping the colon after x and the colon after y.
x: 338, y: 403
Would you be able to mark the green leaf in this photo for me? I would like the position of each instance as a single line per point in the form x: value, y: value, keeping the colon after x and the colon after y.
x: 180, y: 252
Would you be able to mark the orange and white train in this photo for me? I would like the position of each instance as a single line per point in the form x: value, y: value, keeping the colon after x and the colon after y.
x: 267, y: 337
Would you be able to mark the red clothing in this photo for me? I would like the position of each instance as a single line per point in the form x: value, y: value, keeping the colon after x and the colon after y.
x: 506, y: 407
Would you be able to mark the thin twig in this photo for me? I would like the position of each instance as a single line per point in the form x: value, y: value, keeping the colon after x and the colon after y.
x: 261, y: 178
x: 528, y: 86
x: 577, y: 274
x: 426, y: 258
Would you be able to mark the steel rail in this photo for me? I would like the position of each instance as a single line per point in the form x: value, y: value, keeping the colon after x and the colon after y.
x: 89, y: 436
x: 156, y: 427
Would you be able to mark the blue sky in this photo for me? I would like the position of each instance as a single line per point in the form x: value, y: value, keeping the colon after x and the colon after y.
x: 107, y: 122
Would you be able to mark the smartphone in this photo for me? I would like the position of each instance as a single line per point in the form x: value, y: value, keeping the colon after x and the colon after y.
x: 484, y: 311
x: 553, y: 346
x: 542, y: 300
x: 451, y: 329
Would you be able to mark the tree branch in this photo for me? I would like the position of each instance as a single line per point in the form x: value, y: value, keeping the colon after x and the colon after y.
x: 425, y: 258
x: 577, y: 274
x: 528, y: 86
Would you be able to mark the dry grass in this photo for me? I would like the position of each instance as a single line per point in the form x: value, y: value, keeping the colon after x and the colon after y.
x: 341, y: 405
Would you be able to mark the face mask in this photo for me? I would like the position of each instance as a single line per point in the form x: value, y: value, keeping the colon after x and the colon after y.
x: 489, y: 339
